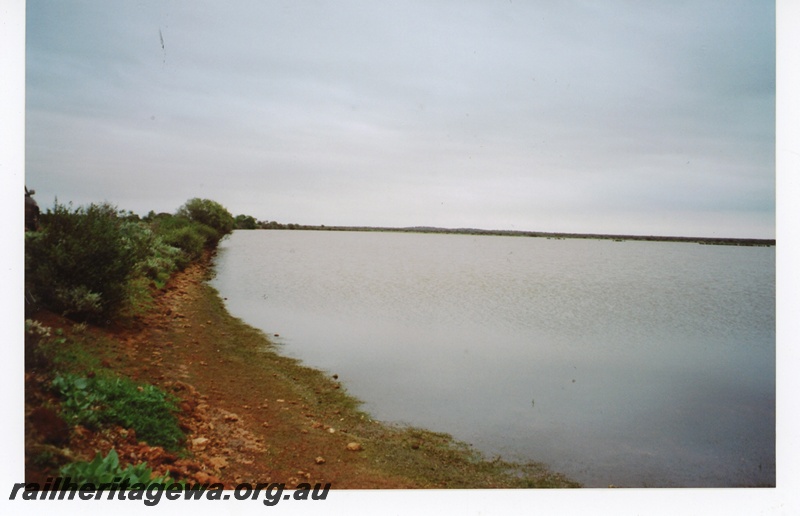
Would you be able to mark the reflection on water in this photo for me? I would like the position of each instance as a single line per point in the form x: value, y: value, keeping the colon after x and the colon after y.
x: 625, y: 363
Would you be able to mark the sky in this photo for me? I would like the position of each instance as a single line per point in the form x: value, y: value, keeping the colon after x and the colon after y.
x: 652, y: 118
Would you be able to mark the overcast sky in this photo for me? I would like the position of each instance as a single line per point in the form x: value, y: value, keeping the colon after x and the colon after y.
x: 653, y: 117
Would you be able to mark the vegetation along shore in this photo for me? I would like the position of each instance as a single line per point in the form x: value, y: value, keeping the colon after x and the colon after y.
x: 134, y: 369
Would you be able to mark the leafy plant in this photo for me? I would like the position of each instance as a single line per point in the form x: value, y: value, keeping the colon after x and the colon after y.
x: 107, y: 469
x: 101, y: 400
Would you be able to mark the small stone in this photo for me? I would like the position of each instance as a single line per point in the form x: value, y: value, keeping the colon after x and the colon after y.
x: 199, y: 443
x: 319, y: 460
x: 219, y: 462
x: 354, y: 447
x: 331, y: 430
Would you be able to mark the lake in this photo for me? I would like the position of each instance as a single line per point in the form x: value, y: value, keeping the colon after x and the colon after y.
x: 640, y: 364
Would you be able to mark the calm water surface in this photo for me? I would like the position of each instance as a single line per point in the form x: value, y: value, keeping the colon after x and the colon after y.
x: 626, y: 363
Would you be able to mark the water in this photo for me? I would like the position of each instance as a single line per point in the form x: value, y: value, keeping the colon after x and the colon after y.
x: 627, y: 363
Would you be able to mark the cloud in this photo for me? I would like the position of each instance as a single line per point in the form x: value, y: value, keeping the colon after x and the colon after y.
x: 402, y: 113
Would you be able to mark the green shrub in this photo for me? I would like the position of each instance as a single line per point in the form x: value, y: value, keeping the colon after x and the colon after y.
x: 246, y: 222
x: 101, y: 400
x: 81, y: 261
x: 185, y: 236
x: 159, y: 259
x: 209, y: 213
x: 106, y: 470
x: 97, y: 262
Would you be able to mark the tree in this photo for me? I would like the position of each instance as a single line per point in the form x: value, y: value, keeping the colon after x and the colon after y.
x: 246, y: 222
x: 211, y: 214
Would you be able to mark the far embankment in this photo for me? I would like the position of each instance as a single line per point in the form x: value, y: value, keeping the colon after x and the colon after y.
x: 536, y: 234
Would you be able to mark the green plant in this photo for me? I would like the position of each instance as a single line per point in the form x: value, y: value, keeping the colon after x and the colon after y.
x: 246, y: 222
x: 156, y: 258
x: 107, y: 470
x: 183, y: 234
x: 102, y: 400
x: 209, y: 213
x: 81, y: 260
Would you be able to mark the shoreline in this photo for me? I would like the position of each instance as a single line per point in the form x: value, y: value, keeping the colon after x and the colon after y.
x: 253, y: 415
x: 730, y: 241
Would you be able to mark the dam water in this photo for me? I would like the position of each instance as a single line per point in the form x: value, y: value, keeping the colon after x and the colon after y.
x: 641, y: 364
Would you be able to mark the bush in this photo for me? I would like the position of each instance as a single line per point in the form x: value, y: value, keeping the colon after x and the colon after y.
x: 91, y: 263
x: 246, y: 222
x: 159, y: 259
x: 209, y: 213
x: 188, y: 237
x: 81, y: 262
x: 100, y: 400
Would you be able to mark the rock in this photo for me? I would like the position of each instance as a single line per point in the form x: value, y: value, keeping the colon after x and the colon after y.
x: 203, y: 477
x: 319, y: 460
x: 354, y: 447
x: 199, y: 443
x: 218, y: 462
